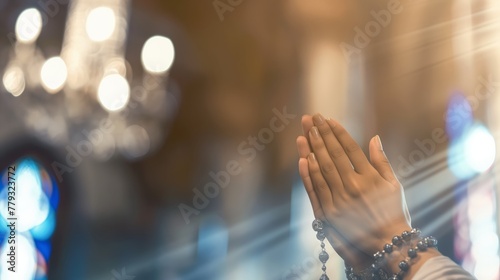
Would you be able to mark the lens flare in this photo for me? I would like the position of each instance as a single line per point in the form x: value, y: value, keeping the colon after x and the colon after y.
x: 480, y: 149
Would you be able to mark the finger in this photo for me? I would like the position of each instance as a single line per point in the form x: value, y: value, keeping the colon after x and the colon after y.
x: 328, y: 166
x: 320, y: 186
x: 333, y: 148
x: 308, y: 185
x: 381, y: 163
x: 307, y: 124
x: 303, y: 147
x: 351, y: 148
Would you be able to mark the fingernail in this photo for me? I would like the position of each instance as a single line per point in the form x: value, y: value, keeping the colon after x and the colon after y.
x: 312, y: 157
x: 331, y: 122
x: 379, y: 142
x: 315, y: 132
x: 318, y: 119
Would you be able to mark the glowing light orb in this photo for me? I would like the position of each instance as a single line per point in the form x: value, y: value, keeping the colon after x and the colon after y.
x: 54, y: 74
x: 45, y: 230
x: 158, y: 54
x: 113, y: 92
x: 101, y: 23
x: 28, y: 25
x: 480, y: 149
x: 13, y: 80
x: 26, y: 258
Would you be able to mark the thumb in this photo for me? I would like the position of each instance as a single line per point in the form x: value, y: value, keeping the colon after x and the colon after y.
x: 380, y: 162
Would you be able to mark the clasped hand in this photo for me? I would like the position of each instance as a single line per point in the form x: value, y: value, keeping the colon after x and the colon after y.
x: 360, y: 200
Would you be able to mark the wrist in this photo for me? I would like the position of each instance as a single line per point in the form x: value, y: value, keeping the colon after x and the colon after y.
x: 387, y: 236
x: 402, y: 257
x: 392, y: 266
x: 407, y: 252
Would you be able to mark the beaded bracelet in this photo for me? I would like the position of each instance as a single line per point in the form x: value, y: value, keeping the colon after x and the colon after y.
x: 375, y: 271
x: 318, y: 227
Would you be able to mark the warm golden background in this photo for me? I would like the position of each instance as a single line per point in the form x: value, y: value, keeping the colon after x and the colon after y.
x: 433, y: 69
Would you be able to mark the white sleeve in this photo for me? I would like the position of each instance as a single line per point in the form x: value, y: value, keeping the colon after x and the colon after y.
x: 441, y: 268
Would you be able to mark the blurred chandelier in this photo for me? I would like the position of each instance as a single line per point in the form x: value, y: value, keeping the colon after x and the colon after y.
x: 89, y: 92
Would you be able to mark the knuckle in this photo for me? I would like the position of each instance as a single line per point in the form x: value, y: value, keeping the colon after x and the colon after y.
x: 317, y: 145
x: 340, y: 131
x: 352, y: 147
x: 328, y: 168
x: 322, y: 186
x: 337, y: 152
x: 313, y: 169
x: 354, y: 191
x: 324, y: 130
x: 354, y: 187
x: 333, y: 212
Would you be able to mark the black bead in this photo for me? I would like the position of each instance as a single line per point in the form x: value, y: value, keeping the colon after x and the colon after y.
x: 397, y: 240
x: 431, y: 241
x: 324, y: 277
x: 404, y: 266
x: 317, y: 225
x: 388, y: 248
x: 421, y: 245
x: 406, y: 235
x: 320, y: 235
x: 415, y: 233
x: 412, y: 253
x: 323, y: 256
x: 401, y: 275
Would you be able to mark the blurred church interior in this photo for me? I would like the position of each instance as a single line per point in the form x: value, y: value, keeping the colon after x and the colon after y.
x: 118, y: 113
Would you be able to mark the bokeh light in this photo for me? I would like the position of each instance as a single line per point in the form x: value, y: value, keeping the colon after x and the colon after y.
x: 480, y: 150
x: 158, y: 54
x: 35, y: 191
x: 113, y: 92
x: 45, y: 230
x: 101, y: 23
x: 13, y: 80
x: 459, y: 115
x: 473, y: 153
x: 28, y: 25
x: 35, y: 206
x: 54, y: 74
x: 26, y: 258
x: 456, y: 160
